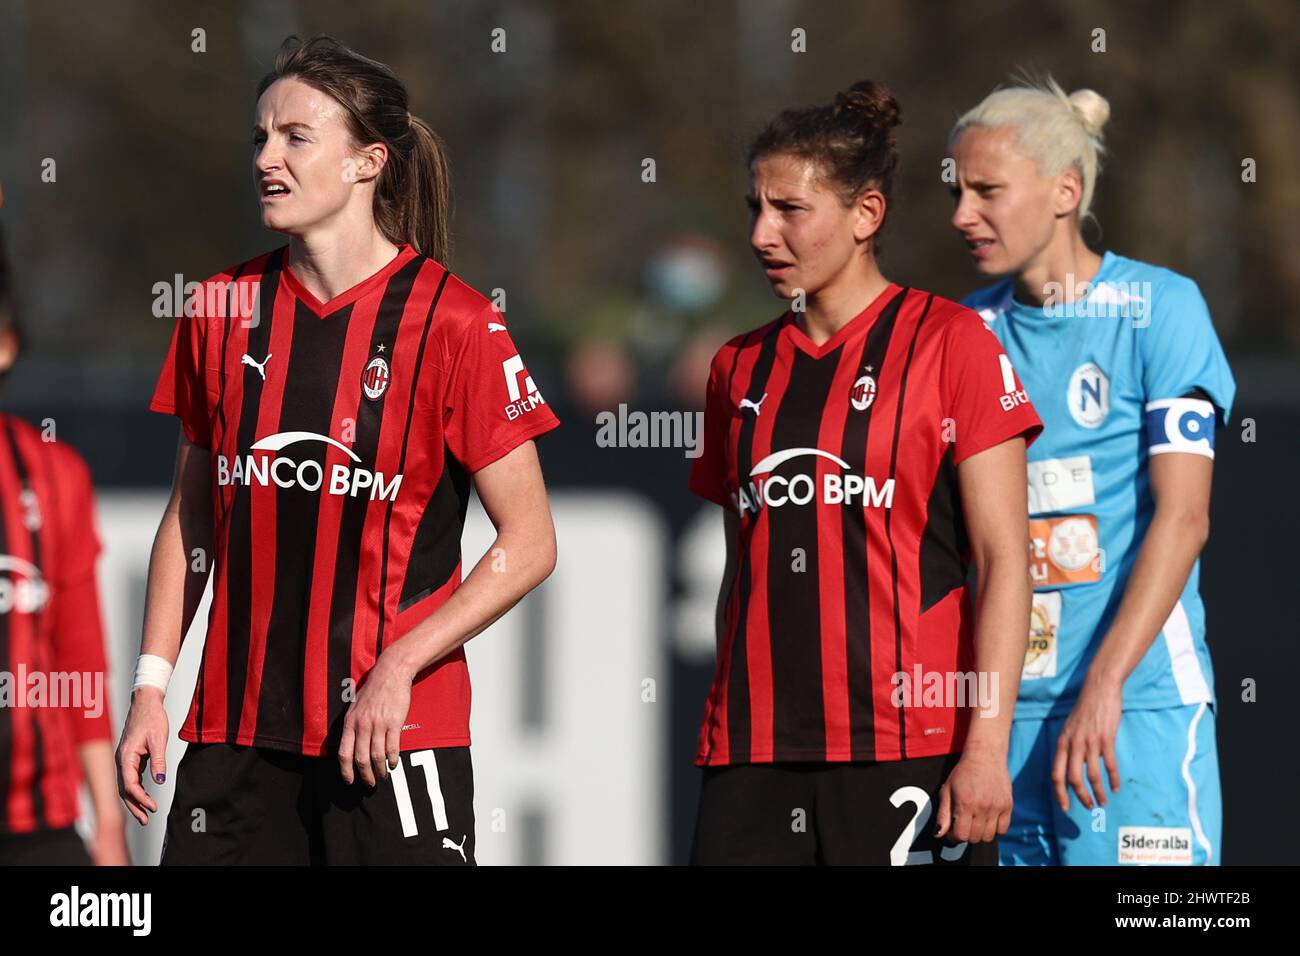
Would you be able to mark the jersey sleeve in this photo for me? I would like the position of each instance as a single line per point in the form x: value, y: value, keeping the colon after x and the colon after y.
x: 986, y: 402
x: 493, y: 405
x: 76, y: 627
x: 1181, y: 352
x: 180, y: 390
x: 709, y: 470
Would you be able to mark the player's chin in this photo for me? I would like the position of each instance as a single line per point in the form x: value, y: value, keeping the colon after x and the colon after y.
x: 784, y: 288
x: 997, y: 265
x: 276, y: 220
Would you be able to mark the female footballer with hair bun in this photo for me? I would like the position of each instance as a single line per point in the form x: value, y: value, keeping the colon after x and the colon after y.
x: 50, y: 627
x: 867, y: 446
x: 1123, y: 363
x: 329, y: 441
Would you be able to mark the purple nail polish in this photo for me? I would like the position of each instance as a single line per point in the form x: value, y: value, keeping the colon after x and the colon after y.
x: 160, y: 777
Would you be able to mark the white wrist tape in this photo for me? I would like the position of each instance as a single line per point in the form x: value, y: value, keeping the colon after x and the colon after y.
x: 152, y: 671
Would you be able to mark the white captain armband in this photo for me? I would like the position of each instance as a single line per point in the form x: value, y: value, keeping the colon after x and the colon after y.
x: 1181, y: 424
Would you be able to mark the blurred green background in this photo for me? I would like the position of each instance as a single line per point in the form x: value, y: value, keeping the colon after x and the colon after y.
x: 547, y: 139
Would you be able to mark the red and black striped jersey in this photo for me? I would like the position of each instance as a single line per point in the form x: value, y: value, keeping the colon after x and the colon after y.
x: 841, y: 461
x: 342, y: 437
x: 54, y: 692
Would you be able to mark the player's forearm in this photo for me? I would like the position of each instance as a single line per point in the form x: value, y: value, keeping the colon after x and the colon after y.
x: 1170, y: 548
x: 516, y: 563
x: 100, y: 771
x: 1001, y: 638
x: 179, y: 565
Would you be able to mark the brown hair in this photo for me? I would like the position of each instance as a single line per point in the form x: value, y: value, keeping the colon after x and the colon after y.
x: 850, y: 139
x: 413, y: 192
x: 8, y: 302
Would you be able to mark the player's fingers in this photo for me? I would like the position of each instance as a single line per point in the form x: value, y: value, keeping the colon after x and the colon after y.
x: 1058, y: 776
x: 130, y: 791
x: 965, y: 826
x: 961, y: 825
x: 134, y: 799
x: 1112, y: 764
x: 123, y: 776
x: 132, y: 808
x: 379, y: 753
x: 943, y: 818
x: 132, y: 760
x: 1093, y: 764
x: 394, y: 746
x: 990, y: 828
x: 346, y: 745
x: 361, y: 756
x: 962, y: 816
x: 1004, y: 821
x: 1074, y: 773
x: 1077, y: 785
x: 157, y: 758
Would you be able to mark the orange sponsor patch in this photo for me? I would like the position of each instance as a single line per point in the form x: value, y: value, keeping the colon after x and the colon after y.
x: 1064, y: 550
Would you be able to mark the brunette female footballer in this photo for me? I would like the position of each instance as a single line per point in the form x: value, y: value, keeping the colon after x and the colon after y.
x: 867, y: 446
x: 329, y: 443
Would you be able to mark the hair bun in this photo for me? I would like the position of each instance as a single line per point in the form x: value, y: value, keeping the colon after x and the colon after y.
x: 1093, y: 110
x: 872, y: 102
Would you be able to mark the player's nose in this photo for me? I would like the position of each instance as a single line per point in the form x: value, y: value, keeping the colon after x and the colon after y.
x: 763, y: 237
x: 963, y: 216
x: 267, y: 159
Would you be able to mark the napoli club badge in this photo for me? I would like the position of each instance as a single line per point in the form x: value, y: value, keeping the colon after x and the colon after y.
x: 374, y: 380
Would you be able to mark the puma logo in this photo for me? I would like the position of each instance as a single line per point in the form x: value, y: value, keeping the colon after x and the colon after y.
x: 260, y: 366
x: 495, y: 327
x: 449, y: 844
x: 753, y: 405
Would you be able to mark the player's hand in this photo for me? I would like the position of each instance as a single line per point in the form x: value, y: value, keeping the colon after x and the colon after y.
x: 975, y: 800
x: 1087, y: 740
x: 108, y: 846
x: 372, y: 728
x: 143, y: 745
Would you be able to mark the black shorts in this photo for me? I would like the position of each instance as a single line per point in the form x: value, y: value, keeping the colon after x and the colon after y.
x: 878, y: 813
x: 61, y: 847
x: 252, y: 805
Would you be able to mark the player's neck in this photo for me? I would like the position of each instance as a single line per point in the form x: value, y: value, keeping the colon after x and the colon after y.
x: 330, y: 263
x: 837, y: 303
x: 1061, y: 272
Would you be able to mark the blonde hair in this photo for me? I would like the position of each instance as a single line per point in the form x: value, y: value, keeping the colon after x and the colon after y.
x: 1056, y: 131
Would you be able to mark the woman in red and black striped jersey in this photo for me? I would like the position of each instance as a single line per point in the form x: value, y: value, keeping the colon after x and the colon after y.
x: 337, y: 397
x: 867, y: 447
x: 54, y: 723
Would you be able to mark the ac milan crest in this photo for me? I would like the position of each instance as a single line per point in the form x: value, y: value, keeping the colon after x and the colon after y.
x: 863, y: 393
x: 374, y: 380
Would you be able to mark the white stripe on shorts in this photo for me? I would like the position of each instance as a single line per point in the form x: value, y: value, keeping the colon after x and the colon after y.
x: 1192, y: 815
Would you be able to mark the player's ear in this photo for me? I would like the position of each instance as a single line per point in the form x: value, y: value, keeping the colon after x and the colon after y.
x: 1067, y: 193
x: 370, y: 162
x: 868, y: 213
x: 8, y: 344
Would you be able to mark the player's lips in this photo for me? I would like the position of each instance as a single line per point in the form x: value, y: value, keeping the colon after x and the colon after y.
x: 273, y: 189
x: 775, y: 268
x: 979, y: 246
